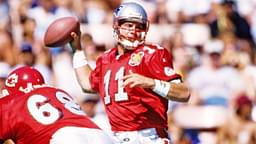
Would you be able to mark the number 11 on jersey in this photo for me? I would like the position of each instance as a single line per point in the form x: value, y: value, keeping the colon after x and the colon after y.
x: 121, y: 95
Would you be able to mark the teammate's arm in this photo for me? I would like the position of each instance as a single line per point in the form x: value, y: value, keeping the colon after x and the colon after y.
x: 81, y: 67
x: 174, y: 90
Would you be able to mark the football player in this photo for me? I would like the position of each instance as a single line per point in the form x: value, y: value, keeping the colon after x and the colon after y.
x: 34, y: 113
x: 135, y: 80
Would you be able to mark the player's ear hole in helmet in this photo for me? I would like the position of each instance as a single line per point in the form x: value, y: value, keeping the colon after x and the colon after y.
x: 22, y: 80
x: 133, y: 13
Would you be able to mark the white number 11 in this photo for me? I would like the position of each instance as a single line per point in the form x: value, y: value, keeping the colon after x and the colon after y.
x: 120, y: 95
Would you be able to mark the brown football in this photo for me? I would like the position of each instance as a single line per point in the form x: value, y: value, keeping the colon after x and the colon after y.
x: 58, y: 32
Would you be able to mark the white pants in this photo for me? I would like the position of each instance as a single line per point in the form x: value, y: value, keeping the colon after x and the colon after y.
x: 145, y: 136
x: 78, y: 135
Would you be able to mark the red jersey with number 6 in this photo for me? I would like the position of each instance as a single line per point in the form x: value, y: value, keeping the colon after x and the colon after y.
x: 34, y: 118
x: 133, y: 108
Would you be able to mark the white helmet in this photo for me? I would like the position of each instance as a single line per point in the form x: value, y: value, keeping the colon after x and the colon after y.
x: 130, y: 12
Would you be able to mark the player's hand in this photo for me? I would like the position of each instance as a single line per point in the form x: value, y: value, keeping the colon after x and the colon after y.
x: 134, y: 79
x: 76, y: 42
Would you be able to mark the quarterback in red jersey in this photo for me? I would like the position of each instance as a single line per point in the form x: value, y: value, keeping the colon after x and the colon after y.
x: 134, y: 80
x: 34, y: 113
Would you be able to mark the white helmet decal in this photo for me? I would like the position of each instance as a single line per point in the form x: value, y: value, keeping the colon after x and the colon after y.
x: 12, y: 80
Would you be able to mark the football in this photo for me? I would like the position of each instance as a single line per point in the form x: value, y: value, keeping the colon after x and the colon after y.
x: 58, y: 32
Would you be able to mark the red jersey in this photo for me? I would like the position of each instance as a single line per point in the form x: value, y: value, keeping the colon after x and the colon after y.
x: 34, y: 117
x: 133, y: 108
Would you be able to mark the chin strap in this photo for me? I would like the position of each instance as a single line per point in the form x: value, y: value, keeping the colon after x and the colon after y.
x: 129, y: 45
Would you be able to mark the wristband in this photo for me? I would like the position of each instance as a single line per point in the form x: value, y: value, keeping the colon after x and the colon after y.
x: 79, y: 59
x: 161, y: 87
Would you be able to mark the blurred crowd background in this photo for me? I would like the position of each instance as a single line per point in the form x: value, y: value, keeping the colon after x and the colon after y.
x: 212, y: 43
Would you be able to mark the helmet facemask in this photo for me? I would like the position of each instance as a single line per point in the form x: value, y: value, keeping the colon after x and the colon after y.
x: 130, y: 38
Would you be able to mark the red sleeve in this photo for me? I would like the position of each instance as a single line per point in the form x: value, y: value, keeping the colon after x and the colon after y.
x: 160, y: 65
x: 1, y: 123
x: 4, y: 123
x: 95, y: 75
